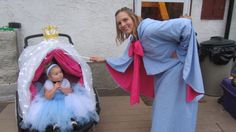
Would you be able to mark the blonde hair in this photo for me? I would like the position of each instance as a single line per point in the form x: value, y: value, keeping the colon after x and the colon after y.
x: 121, y: 36
x: 50, y: 68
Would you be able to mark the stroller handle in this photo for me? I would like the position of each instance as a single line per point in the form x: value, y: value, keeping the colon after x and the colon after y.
x: 41, y: 35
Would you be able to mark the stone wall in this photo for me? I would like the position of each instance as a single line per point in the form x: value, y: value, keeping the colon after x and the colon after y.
x: 103, y: 82
x: 8, y: 64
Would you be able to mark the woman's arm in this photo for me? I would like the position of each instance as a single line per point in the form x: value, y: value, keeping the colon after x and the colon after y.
x: 118, y: 63
x: 97, y: 59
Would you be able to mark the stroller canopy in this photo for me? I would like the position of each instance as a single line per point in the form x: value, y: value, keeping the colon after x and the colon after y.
x: 33, y: 60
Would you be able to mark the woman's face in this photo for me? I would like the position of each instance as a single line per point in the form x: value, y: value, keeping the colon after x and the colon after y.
x: 56, y: 74
x: 124, y: 22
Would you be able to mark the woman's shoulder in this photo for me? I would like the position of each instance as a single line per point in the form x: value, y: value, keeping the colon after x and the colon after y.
x: 148, y: 26
x: 149, y: 20
x: 181, y: 20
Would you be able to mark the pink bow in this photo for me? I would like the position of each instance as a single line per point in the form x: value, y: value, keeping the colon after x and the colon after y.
x: 136, y: 50
x: 135, y: 79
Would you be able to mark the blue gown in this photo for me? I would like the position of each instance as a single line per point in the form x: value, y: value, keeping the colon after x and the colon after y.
x: 159, y: 39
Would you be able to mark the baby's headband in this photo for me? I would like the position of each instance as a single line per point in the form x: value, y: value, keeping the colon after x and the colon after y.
x: 50, y: 67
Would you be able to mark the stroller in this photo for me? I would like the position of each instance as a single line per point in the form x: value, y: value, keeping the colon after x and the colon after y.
x: 31, y: 64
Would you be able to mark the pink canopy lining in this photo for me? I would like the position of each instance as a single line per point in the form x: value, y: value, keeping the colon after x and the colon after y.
x: 71, y: 69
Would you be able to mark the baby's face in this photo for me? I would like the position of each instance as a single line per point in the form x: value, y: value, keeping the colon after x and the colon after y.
x: 56, y: 74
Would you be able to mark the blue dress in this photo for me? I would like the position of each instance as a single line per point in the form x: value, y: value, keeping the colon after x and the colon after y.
x: 159, y: 39
x: 61, y: 108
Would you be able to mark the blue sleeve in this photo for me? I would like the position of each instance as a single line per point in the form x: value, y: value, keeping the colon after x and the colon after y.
x: 178, y: 31
x: 65, y: 83
x: 192, y: 72
x: 48, y: 85
x: 187, y: 52
x: 184, y: 40
x: 120, y: 63
x: 159, y: 37
x: 169, y: 30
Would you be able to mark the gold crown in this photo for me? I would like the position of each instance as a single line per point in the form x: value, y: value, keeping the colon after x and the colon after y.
x: 50, y: 32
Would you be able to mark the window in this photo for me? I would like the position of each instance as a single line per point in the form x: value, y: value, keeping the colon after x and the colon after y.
x: 162, y: 9
x: 213, y: 9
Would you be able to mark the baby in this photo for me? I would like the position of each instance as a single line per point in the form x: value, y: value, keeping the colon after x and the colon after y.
x: 56, y: 81
x: 59, y: 106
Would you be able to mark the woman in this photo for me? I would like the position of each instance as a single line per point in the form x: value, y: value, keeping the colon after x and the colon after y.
x: 169, y: 56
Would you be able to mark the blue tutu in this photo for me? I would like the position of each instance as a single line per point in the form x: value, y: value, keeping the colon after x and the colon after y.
x: 61, y: 109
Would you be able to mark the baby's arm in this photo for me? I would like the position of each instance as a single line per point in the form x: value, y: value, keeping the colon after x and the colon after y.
x: 50, y: 93
x: 66, y: 90
x: 65, y: 87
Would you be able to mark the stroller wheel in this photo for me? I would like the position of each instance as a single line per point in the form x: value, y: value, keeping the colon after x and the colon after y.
x: 93, y: 128
x: 49, y: 128
x: 56, y: 128
x: 74, y: 124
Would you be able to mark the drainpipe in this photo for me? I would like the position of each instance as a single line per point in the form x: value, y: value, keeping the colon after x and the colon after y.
x: 134, y: 5
x: 229, y: 19
x: 16, y: 26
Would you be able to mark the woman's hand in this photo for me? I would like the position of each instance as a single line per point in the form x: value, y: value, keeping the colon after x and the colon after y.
x: 174, y: 55
x: 97, y: 59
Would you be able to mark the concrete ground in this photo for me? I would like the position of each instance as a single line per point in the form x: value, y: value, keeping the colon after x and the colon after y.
x: 117, y: 116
